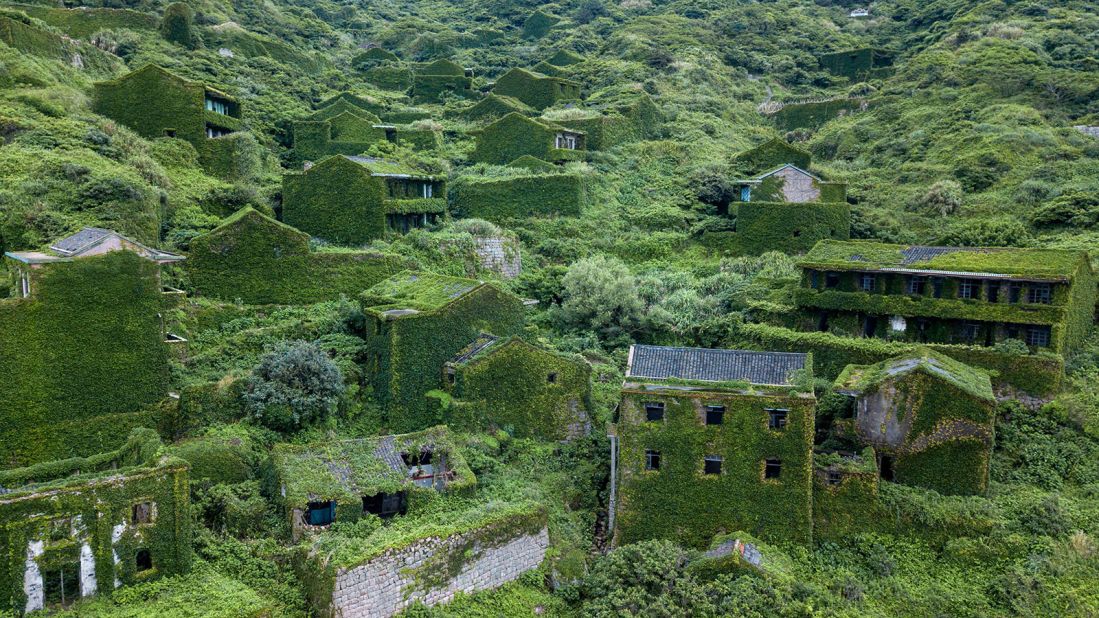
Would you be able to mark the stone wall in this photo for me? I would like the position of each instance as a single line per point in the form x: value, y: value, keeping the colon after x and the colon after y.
x: 500, y: 254
x: 387, y: 584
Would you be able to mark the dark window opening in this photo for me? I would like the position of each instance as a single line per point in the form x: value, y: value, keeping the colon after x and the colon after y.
x: 822, y: 322
x: 451, y: 377
x: 835, y: 477
x: 654, y: 412
x: 1012, y: 332
x: 993, y: 293
x: 169, y: 132
x: 1014, y: 292
x: 772, y: 469
x: 886, y: 466
x: 921, y: 330
x: 61, y: 584
x: 143, y: 561
x: 869, y: 325
x: 1037, y: 336
x: 711, y: 464
x: 403, y: 223
x: 552, y: 378
x: 797, y: 233
x: 937, y: 287
x: 422, y: 458
x: 1039, y: 293
x: 652, y: 460
x: 320, y: 513
x: 917, y: 285
x: 970, y: 332
x: 715, y: 415
x: 814, y: 278
x: 386, y: 505
x: 142, y: 513
x: 831, y: 280
x: 776, y: 419
x: 867, y: 282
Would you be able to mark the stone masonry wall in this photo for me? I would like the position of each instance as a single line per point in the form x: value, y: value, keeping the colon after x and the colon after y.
x: 384, y: 586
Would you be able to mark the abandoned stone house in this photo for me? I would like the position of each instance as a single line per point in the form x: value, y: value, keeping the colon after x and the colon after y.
x: 960, y: 295
x: 346, y: 480
x: 535, y: 89
x: 528, y: 390
x: 415, y: 323
x: 87, y: 526
x: 157, y: 103
x: 516, y: 135
x: 791, y: 184
x: 352, y: 200
x: 711, y: 442
x: 930, y: 419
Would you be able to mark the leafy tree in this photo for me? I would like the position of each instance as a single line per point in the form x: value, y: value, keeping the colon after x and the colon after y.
x: 294, y: 385
x: 177, y: 25
x: 943, y: 198
x: 600, y: 293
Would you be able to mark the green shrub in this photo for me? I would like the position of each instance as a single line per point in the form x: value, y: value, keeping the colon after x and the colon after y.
x: 177, y: 24
x: 294, y: 385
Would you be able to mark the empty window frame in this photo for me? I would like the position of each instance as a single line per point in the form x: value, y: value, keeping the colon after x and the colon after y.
x: 969, y: 288
x: 143, y: 513
x: 320, y: 513
x: 992, y: 294
x: 776, y: 418
x: 1014, y: 292
x: 1037, y: 336
x: 772, y: 468
x: 551, y: 378
x: 386, y: 505
x: 867, y: 282
x: 937, y: 287
x: 143, y: 560
x: 970, y: 331
x: 917, y: 284
x: 1039, y: 293
x: 216, y: 106
x: 566, y: 141
x: 427, y: 190
x: 715, y: 415
x: 835, y: 477
x: 654, y: 411
x: 652, y: 460
x: 711, y: 464
x: 831, y: 280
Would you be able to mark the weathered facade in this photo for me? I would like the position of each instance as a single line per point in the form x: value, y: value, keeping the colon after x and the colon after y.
x: 714, y: 441
x: 516, y: 135
x: 791, y: 184
x: 535, y: 89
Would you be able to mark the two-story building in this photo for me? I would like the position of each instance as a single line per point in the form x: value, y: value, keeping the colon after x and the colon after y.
x: 516, y: 135
x: 714, y: 441
x: 964, y: 295
x: 535, y: 89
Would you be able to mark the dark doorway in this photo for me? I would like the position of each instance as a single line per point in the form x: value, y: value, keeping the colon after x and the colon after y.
x: 386, y: 505
x: 61, y: 584
x: 886, y: 467
x: 143, y: 560
x: 822, y: 322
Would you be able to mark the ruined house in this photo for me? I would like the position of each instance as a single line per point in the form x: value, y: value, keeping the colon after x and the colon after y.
x: 929, y: 417
x: 791, y: 184
x: 714, y: 441
x: 535, y: 89
x: 515, y: 135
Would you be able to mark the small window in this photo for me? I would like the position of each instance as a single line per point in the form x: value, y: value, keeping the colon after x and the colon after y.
x: 772, y: 469
x: 1014, y: 292
x: 143, y: 513
x: 970, y: 331
x: 776, y: 419
x: 917, y: 285
x: 814, y: 276
x: 835, y: 477
x: 993, y: 292
x: 1037, y: 336
x: 711, y: 464
x: 551, y: 378
x: 169, y: 132
x: 321, y: 513
x: 654, y: 412
x: 831, y: 280
x: 715, y: 415
x: 867, y: 282
x: 968, y: 288
x: 451, y: 377
x: 143, y: 561
x: 386, y: 505
x: 652, y: 460
x: 1039, y: 293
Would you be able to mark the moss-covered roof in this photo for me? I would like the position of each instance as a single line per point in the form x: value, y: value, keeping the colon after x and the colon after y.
x: 349, y: 469
x: 159, y: 69
x: 564, y: 57
x: 532, y: 75
x: 418, y: 291
x: 1041, y: 264
x: 858, y: 379
x: 248, y: 212
x: 384, y: 167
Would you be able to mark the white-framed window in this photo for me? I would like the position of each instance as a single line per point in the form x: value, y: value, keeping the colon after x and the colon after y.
x: 566, y: 141
x: 1037, y: 336
x: 217, y: 106
x: 1039, y: 293
x: 428, y: 190
x: 25, y: 284
x: 867, y: 281
x: 968, y: 288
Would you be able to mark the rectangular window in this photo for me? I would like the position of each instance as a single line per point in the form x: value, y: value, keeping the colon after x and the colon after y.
x: 835, y: 477
x: 715, y: 415
x: 968, y: 288
x: 551, y: 378
x: 711, y: 464
x: 652, y: 460
x: 772, y: 469
x: 25, y: 284
x: 1014, y: 292
x: 320, y: 513
x: 831, y: 280
x: 143, y: 513
x: 917, y: 284
x: 1039, y: 293
x: 970, y: 331
x: 1037, y: 336
x: 776, y: 419
x: 937, y: 287
x: 993, y: 292
x: 814, y: 276
x: 428, y: 190
x: 654, y: 412
x: 867, y: 282
x: 386, y: 505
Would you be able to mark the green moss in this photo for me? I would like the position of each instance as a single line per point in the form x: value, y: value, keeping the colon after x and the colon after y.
x: 86, y: 21
x: 771, y: 154
x: 536, y: 90
x: 857, y: 64
x: 501, y: 199
x: 390, y: 77
x: 538, y: 24
x: 790, y: 227
x: 494, y: 106
x: 515, y: 135
x: 27, y: 37
x: 812, y: 115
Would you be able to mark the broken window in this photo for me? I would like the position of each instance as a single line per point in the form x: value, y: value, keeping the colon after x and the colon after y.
x: 143, y: 561
x: 61, y: 584
x: 320, y: 513
x: 715, y: 415
x: 143, y: 513
x: 835, y: 477
x: 428, y: 190
x: 917, y: 285
x: 654, y: 411
x: 867, y: 282
x: 968, y: 288
x: 551, y: 378
x: 1037, y: 336
x: 772, y: 468
x: 450, y: 377
x: 712, y: 464
x: 1039, y: 293
x: 776, y: 419
x: 386, y: 505
x: 831, y: 280
x: 652, y: 460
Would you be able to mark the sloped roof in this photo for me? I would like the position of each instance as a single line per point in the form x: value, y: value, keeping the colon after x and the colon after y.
x: 778, y: 169
x: 543, y: 122
x: 389, y: 169
x: 482, y: 342
x: 709, y: 365
x: 858, y: 379
x: 528, y: 74
x: 159, y: 69
x: 249, y: 212
x: 978, y: 262
x: 80, y: 243
x: 420, y: 291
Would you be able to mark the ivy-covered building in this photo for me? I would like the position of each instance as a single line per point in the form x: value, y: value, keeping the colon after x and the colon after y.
x: 439, y: 78
x: 772, y: 154
x: 537, y: 194
x: 530, y: 391
x: 352, y: 200
x: 157, y: 103
x: 962, y: 295
x: 85, y: 526
x: 418, y: 321
x: 346, y: 480
x: 790, y: 184
x: 535, y: 89
x: 339, y: 128
x: 84, y: 345
x: 930, y: 418
x: 712, y: 442
x: 257, y: 260
x: 493, y: 106
x: 859, y: 64
x: 516, y: 135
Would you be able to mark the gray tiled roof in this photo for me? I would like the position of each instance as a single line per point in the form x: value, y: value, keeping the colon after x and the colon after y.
x: 483, y: 341
x: 764, y: 368
x: 918, y: 253
x: 85, y: 237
